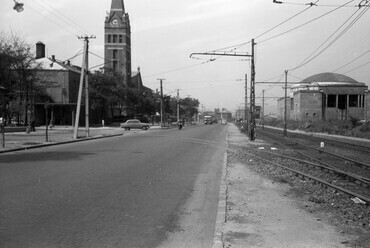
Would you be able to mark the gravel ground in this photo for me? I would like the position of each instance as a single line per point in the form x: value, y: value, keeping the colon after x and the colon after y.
x: 350, y: 219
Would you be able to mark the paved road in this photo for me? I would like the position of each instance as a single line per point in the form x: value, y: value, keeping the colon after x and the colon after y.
x: 143, y: 189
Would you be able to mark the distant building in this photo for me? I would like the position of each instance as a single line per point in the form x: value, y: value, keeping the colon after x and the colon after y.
x: 325, y: 96
x: 59, y: 89
x: 137, y: 82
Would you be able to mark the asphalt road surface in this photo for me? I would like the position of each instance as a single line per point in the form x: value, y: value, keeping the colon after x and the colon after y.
x: 156, y: 188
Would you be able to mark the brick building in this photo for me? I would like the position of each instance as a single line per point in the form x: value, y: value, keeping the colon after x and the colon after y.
x: 326, y: 96
x: 117, y: 44
x: 60, y: 89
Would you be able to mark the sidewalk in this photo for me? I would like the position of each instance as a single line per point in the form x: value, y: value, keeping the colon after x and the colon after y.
x: 256, y: 212
x: 57, y: 134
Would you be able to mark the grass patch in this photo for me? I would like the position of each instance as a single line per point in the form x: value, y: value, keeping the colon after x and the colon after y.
x: 351, y: 128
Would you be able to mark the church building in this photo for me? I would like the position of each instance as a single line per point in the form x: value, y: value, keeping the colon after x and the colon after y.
x: 117, y: 41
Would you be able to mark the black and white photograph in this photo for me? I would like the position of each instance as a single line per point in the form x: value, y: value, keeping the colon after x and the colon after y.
x: 184, y: 124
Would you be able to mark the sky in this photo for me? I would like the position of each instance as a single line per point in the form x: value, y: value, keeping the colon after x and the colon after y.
x: 295, y: 36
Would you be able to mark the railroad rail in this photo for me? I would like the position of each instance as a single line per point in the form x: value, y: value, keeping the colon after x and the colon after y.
x: 351, y: 177
x: 310, y: 177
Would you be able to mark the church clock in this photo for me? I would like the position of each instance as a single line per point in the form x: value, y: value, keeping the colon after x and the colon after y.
x: 115, y: 22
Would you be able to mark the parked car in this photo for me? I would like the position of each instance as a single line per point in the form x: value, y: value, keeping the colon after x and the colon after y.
x: 135, y: 124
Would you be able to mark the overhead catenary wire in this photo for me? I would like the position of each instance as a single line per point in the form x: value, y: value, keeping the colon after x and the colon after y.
x: 178, y: 69
x: 56, y: 13
x: 280, y: 24
x: 311, y: 57
x: 237, y: 46
x: 358, y: 67
x: 306, y: 23
x: 361, y: 4
x: 358, y: 57
x: 51, y: 20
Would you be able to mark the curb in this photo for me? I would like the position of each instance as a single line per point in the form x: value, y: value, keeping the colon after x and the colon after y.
x: 221, y: 212
x: 60, y: 143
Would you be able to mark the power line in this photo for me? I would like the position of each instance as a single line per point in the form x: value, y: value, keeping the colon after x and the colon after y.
x: 62, y: 17
x: 308, y: 59
x: 290, y: 18
x: 352, y: 60
x: 51, y: 20
x: 325, y: 5
x: 357, y: 67
x: 306, y: 23
x: 178, y: 69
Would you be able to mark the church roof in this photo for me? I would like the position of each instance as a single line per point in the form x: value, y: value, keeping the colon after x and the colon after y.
x: 329, y: 77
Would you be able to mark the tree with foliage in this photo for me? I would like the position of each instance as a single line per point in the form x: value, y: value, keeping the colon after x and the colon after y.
x: 139, y: 103
x: 189, y: 107
x: 106, y: 91
x: 18, y: 67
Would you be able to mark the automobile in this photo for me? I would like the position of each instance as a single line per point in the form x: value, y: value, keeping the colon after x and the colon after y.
x: 134, y: 124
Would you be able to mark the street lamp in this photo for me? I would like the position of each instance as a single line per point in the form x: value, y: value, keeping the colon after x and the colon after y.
x: 18, y: 6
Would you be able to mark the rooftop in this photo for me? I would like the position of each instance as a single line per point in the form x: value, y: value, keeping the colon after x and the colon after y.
x: 329, y: 77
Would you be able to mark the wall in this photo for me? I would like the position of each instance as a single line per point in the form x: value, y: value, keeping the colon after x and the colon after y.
x: 281, y: 108
x: 310, y: 106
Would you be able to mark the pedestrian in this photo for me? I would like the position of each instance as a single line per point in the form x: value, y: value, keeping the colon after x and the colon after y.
x: 33, y: 126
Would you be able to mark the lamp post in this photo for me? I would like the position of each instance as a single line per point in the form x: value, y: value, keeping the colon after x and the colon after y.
x: 18, y: 6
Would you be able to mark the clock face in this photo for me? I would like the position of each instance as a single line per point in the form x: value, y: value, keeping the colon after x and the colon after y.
x: 115, y: 22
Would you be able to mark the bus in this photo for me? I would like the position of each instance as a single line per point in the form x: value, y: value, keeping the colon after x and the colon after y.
x: 208, y: 119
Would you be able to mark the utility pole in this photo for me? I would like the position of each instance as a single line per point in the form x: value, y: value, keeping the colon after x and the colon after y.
x: 285, y: 103
x: 161, y: 85
x: 84, y: 76
x: 246, y: 99
x: 178, y: 106
x: 253, y: 96
x: 253, y: 74
x: 87, y: 107
x: 365, y: 104
x: 263, y: 109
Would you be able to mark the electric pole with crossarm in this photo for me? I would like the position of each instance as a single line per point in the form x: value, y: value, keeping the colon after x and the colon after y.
x: 252, y: 123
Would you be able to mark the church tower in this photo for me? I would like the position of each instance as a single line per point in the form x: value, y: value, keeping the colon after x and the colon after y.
x: 117, y: 41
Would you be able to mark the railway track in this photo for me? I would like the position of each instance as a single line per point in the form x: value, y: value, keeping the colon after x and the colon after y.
x: 343, y: 174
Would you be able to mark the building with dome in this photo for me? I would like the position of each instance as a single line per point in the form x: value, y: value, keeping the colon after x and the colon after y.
x: 326, y: 96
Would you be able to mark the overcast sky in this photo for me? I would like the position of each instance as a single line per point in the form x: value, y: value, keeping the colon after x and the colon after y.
x: 165, y: 32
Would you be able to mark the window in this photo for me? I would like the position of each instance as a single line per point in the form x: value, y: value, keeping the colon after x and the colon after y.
x: 120, y: 38
x: 114, y: 38
x: 115, y: 63
x: 353, y: 101
x: 109, y: 38
x: 342, y: 101
x: 115, y: 54
x: 332, y: 101
x: 291, y: 103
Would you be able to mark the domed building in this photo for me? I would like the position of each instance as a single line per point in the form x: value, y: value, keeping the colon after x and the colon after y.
x: 326, y: 96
